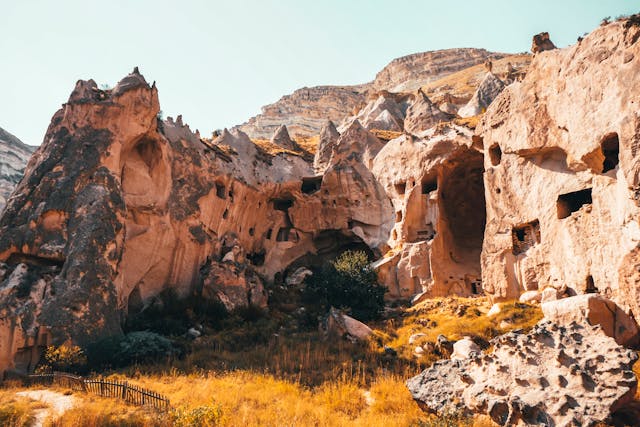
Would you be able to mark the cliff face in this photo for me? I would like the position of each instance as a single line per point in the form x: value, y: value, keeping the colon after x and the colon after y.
x: 306, y: 110
x: 562, y: 173
x: 14, y: 155
x: 410, y: 72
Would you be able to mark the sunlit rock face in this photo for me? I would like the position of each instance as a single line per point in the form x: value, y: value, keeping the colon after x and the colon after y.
x: 562, y: 173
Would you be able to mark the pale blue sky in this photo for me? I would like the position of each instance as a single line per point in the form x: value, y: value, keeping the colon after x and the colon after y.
x: 217, y: 62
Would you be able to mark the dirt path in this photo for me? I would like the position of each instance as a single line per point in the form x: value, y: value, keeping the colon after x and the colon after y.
x: 58, y: 403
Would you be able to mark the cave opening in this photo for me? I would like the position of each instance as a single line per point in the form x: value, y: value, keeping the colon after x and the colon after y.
x: 221, y: 191
x: 590, y: 286
x: 283, y: 203
x: 329, y: 245
x: 610, y: 147
x: 495, y: 154
x: 571, y: 202
x: 524, y: 236
x: 311, y: 185
x: 429, y: 184
x: 401, y: 187
x: 463, y: 208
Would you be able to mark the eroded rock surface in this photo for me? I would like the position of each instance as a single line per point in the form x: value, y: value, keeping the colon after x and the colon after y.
x: 562, y: 173
x: 553, y: 375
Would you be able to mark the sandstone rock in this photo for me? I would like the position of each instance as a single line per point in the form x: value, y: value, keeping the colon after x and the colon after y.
x: 464, y: 349
x: 437, y: 240
x: 340, y: 325
x: 384, y: 113
x: 549, y: 294
x: 530, y: 297
x: 595, y: 310
x: 550, y: 376
x: 233, y: 285
x: 561, y: 172
x: 281, y: 138
x: 306, y: 110
x: 495, y: 309
x: 443, y: 346
x: 423, y: 114
x: 328, y: 139
x: 488, y: 90
x: 418, y: 351
x: 541, y: 42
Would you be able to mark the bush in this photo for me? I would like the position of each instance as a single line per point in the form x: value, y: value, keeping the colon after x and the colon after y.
x: 135, y: 347
x: 64, y: 358
x: 201, y: 416
x: 348, y: 283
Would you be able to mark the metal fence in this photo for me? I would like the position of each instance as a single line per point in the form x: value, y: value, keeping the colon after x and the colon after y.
x: 101, y: 387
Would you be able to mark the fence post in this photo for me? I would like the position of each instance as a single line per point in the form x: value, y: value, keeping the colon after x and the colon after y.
x: 124, y: 390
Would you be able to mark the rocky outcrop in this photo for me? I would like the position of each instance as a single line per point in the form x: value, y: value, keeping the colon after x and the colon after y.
x: 14, y: 155
x: 489, y: 89
x: 328, y: 138
x: 410, y: 72
x: 435, y: 184
x: 386, y: 112
x: 339, y: 325
x: 541, y: 42
x: 306, y: 110
x: 594, y: 310
x: 282, y: 139
x: 553, y: 375
x: 423, y: 114
x: 562, y: 173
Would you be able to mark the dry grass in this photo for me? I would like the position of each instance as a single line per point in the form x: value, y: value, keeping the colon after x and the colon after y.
x: 463, y: 83
x: 385, y: 135
x: 16, y: 411
x: 470, y: 122
x: 308, y: 143
x: 101, y: 412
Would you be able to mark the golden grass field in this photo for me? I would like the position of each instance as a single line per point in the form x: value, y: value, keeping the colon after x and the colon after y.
x: 296, y: 380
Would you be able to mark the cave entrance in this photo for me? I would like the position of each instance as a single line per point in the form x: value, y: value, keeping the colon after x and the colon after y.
x: 462, y: 208
x: 329, y: 245
x: 610, y: 147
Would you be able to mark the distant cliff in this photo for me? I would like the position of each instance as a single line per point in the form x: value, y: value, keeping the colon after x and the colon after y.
x: 14, y: 155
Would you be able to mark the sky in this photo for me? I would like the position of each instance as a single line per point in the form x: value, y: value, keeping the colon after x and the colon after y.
x: 217, y: 62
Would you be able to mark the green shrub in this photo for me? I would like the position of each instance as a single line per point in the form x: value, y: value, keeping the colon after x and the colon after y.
x: 135, y: 347
x: 348, y: 283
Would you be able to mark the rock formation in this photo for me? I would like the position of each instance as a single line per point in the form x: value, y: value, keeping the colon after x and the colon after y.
x: 282, y: 139
x: 562, y: 173
x: 435, y: 184
x: 423, y: 114
x: 14, y: 155
x: 328, y: 138
x: 554, y: 375
x: 305, y: 111
x: 410, y: 72
x: 117, y: 208
x: 488, y: 90
x: 541, y: 42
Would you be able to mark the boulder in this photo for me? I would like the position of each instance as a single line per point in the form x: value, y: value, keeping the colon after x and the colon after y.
x: 297, y: 277
x: 495, y: 309
x: 549, y: 294
x: 541, y: 42
x: 530, y: 297
x: 338, y: 324
x: 553, y: 375
x: 464, y: 349
x: 595, y: 310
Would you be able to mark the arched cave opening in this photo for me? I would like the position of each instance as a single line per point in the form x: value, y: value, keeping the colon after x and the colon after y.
x: 463, y: 208
x: 495, y: 154
x: 610, y: 147
x: 329, y: 244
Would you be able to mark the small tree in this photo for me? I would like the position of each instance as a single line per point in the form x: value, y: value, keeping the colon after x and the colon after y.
x: 64, y: 358
x: 348, y: 283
